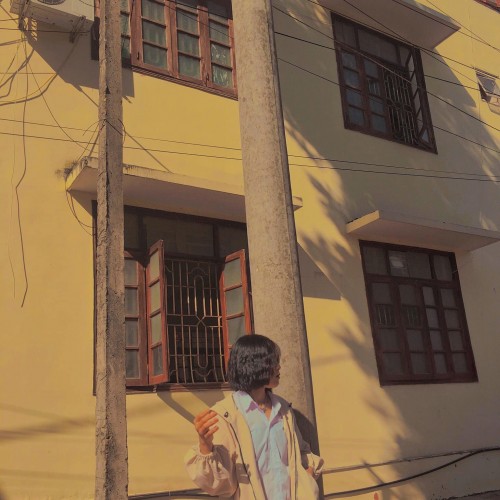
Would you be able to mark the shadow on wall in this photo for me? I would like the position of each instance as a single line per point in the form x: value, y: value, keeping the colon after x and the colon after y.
x: 342, y: 192
x: 71, y: 61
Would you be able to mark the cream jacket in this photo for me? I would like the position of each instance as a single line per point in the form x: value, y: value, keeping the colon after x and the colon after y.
x: 231, y: 471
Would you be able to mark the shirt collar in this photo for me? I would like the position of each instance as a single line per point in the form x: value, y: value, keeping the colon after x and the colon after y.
x: 246, y: 403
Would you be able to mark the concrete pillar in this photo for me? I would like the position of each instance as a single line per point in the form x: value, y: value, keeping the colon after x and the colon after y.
x: 111, y: 424
x: 276, y: 289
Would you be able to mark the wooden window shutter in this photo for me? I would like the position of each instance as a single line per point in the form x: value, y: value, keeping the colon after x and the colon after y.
x: 156, y: 315
x: 235, y: 303
x: 135, y: 324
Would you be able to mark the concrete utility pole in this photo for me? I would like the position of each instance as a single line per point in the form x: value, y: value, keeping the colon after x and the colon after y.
x: 276, y: 289
x: 111, y: 421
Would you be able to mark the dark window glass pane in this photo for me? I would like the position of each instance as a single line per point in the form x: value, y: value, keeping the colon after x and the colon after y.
x: 131, y: 230
x: 231, y: 239
x: 156, y: 333
x: 377, y: 106
x: 385, y: 315
x: 132, y: 332
x: 132, y: 364
x: 154, y: 11
x: 234, y: 301
x: 378, y: 46
x: 399, y: 266
x: 188, y: 44
x: 232, y: 273
x: 388, y: 339
x: 371, y: 69
x: 344, y: 33
x: 440, y: 363
x: 236, y: 327
x: 222, y: 76
x: 131, y: 303
x: 374, y: 87
x: 124, y: 24
x: 125, y: 49
x: 189, y: 66
x: 428, y: 296
x: 155, y: 56
x: 218, y: 10
x: 419, y: 364
x: 415, y: 340
x: 354, y: 98
x: 442, y: 266
x: 130, y: 272
x: 352, y: 78
x: 448, y: 297
x: 418, y: 265
x: 436, y: 340
x: 157, y: 361
x: 219, y: 33
x: 408, y: 294
x: 220, y: 54
x: 456, y: 342
x: 459, y: 362
x: 181, y: 236
x: 381, y: 293
x: 378, y: 123
x: 451, y: 317
x: 187, y: 21
x: 155, y: 296
x: 349, y: 60
x: 393, y: 364
x: 432, y: 318
x: 154, y: 34
x: 412, y: 317
x: 356, y: 116
x: 375, y: 262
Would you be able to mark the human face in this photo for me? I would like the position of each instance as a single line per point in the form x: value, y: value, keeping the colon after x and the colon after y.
x: 274, y: 379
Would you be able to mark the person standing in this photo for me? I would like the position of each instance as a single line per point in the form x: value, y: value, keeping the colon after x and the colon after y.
x: 249, y: 446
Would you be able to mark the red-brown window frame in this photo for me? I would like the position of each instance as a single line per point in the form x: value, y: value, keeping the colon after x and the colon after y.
x: 394, y: 282
x: 140, y: 255
x: 172, y: 73
x: 381, y: 63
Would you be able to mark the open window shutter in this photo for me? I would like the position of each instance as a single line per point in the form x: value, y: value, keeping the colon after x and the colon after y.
x: 135, y: 324
x: 156, y: 315
x: 235, y: 303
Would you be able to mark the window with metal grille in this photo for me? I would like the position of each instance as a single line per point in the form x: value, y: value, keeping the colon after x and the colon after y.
x: 382, y: 86
x: 190, y: 41
x: 186, y: 297
x: 417, y: 315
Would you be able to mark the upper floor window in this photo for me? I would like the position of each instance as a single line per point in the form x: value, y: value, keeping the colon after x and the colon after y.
x: 186, y: 297
x: 488, y: 88
x: 382, y: 86
x: 417, y: 315
x: 189, y: 40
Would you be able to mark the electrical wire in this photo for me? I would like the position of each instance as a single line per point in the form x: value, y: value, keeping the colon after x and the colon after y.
x: 434, y: 126
x: 396, y: 35
x: 493, y: 179
x: 475, y: 36
x: 388, y: 69
x: 310, y: 42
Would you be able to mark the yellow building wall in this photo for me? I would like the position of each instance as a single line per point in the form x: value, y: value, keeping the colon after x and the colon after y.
x: 46, y: 262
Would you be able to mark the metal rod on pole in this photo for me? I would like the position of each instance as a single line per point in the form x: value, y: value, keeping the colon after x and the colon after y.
x: 111, y: 426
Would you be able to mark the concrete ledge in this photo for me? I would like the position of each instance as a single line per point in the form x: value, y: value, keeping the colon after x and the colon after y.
x: 392, y: 227
x: 150, y: 188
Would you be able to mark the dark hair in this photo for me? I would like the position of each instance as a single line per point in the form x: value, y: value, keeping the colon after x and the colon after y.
x: 252, y: 361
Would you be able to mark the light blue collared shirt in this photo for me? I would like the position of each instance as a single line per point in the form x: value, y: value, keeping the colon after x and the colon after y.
x: 269, y: 443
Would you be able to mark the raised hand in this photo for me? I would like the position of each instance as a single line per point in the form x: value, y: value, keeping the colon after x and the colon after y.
x: 204, y: 423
